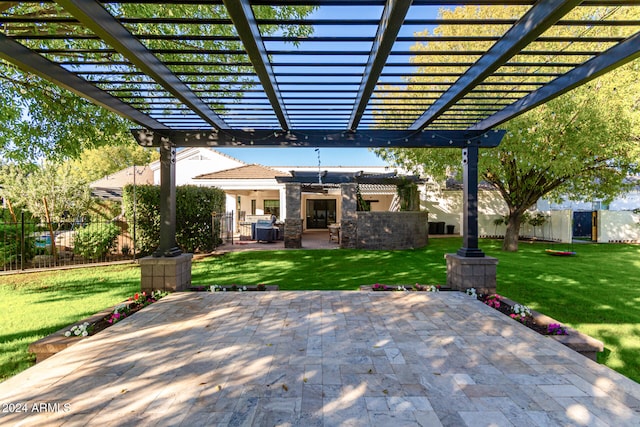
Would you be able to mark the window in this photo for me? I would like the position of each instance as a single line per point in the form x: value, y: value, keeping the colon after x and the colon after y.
x: 253, y: 207
x: 272, y: 207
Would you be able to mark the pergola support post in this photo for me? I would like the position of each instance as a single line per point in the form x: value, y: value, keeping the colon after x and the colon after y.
x: 168, y: 269
x: 293, y: 219
x: 470, y: 267
x: 349, y: 216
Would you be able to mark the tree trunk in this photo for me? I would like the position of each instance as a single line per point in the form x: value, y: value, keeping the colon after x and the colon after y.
x: 511, y: 236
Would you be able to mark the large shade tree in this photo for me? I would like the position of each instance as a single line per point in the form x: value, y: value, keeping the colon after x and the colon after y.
x: 40, y: 120
x: 582, y: 145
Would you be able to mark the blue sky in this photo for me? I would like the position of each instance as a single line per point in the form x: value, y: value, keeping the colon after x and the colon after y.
x: 331, y: 156
x: 274, y: 156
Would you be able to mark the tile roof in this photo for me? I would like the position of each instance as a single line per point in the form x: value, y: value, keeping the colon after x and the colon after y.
x: 253, y: 171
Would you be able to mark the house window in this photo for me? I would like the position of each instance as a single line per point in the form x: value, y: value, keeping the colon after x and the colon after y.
x: 253, y: 207
x: 272, y: 207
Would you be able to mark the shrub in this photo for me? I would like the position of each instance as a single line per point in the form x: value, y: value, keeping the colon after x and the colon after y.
x: 194, y: 206
x: 95, y: 240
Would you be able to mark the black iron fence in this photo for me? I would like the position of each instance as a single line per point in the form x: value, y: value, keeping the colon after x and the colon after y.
x: 222, y: 227
x: 26, y: 244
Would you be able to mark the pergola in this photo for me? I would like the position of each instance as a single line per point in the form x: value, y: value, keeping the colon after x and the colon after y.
x: 342, y: 73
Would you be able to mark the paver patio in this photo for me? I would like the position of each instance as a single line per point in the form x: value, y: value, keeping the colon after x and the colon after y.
x: 320, y: 359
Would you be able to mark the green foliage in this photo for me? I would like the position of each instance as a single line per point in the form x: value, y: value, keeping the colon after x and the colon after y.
x: 28, y: 186
x: 194, y: 206
x: 582, y: 144
x: 41, y: 120
x: 409, y: 196
x: 10, y: 245
x: 96, y: 163
x: 95, y: 240
x: 146, y: 202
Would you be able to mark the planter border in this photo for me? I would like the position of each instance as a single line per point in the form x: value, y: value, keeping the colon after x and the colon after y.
x: 575, y: 340
x: 56, y: 342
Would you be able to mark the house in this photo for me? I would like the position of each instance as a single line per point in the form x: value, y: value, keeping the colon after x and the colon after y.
x: 254, y: 191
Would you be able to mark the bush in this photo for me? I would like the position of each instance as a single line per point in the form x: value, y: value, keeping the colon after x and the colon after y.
x: 10, y: 245
x: 194, y: 206
x: 95, y: 240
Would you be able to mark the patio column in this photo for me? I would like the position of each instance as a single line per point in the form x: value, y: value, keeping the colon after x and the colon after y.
x: 168, y: 269
x: 293, y: 221
x: 168, y: 246
x: 469, y: 267
x: 470, y: 203
x: 349, y: 216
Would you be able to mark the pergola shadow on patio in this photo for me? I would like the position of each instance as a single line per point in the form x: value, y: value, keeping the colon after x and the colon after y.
x: 319, y: 359
x: 249, y: 73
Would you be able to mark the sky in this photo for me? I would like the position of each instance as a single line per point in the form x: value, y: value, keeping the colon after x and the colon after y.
x: 330, y: 156
x: 276, y: 156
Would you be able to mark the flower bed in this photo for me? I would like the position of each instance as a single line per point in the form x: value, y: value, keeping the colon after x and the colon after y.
x: 545, y: 325
x: 58, y: 341
x: 234, y: 288
x: 417, y: 287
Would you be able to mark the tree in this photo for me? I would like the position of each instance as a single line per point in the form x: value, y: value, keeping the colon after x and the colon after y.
x: 583, y: 144
x: 97, y: 163
x: 49, y: 193
x: 40, y: 120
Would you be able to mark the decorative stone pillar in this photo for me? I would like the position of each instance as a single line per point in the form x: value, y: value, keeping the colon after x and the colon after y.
x: 349, y: 216
x: 293, y: 221
x: 471, y: 272
x: 168, y: 274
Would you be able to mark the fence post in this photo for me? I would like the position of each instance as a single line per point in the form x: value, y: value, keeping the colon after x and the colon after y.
x: 22, y: 240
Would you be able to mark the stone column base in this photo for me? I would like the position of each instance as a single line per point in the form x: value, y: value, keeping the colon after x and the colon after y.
x: 168, y: 274
x: 349, y: 234
x: 293, y: 233
x: 471, y: 272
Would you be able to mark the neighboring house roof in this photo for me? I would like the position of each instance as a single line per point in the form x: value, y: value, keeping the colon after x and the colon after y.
x: 253, y: 171
x: 196, y: 153
x: 110, y: 187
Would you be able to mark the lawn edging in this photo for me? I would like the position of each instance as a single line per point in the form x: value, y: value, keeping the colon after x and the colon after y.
x: 57, y: 341
x: 575, y: 340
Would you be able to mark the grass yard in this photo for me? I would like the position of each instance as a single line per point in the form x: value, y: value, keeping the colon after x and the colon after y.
x: 35, y: 305
x: 597, y: 292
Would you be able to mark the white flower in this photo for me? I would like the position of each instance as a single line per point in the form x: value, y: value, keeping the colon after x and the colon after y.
x: 77, y: 332
x: 67, y: 334
x: 472, y: 292
x: 85, y: 333
x: 244, y: 288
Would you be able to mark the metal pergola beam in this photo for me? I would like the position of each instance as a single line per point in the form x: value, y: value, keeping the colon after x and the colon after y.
x: 391, y: 21
x: 245, y: 22
x: 616, y: 56
x: 319, y: 138
x: 97, y: 19
x: 25, y: 59
x: 539, y: 18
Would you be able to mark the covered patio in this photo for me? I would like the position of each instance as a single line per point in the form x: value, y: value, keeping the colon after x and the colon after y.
x: 320, y: 359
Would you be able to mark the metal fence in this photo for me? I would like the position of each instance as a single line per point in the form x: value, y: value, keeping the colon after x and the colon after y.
x: 30, y: 244
x: 222, y: 227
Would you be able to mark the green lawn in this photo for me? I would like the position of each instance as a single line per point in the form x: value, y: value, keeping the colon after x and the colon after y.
x: 596, y: 292
x: 35, y: 305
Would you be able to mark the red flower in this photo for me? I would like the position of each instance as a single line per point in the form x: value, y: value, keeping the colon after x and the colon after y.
x: 136, y: 296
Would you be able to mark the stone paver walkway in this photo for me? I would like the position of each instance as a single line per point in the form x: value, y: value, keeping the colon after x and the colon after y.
x: 319, y: 359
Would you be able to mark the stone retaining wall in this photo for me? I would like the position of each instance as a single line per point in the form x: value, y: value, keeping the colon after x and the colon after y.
x: 391, y: 230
